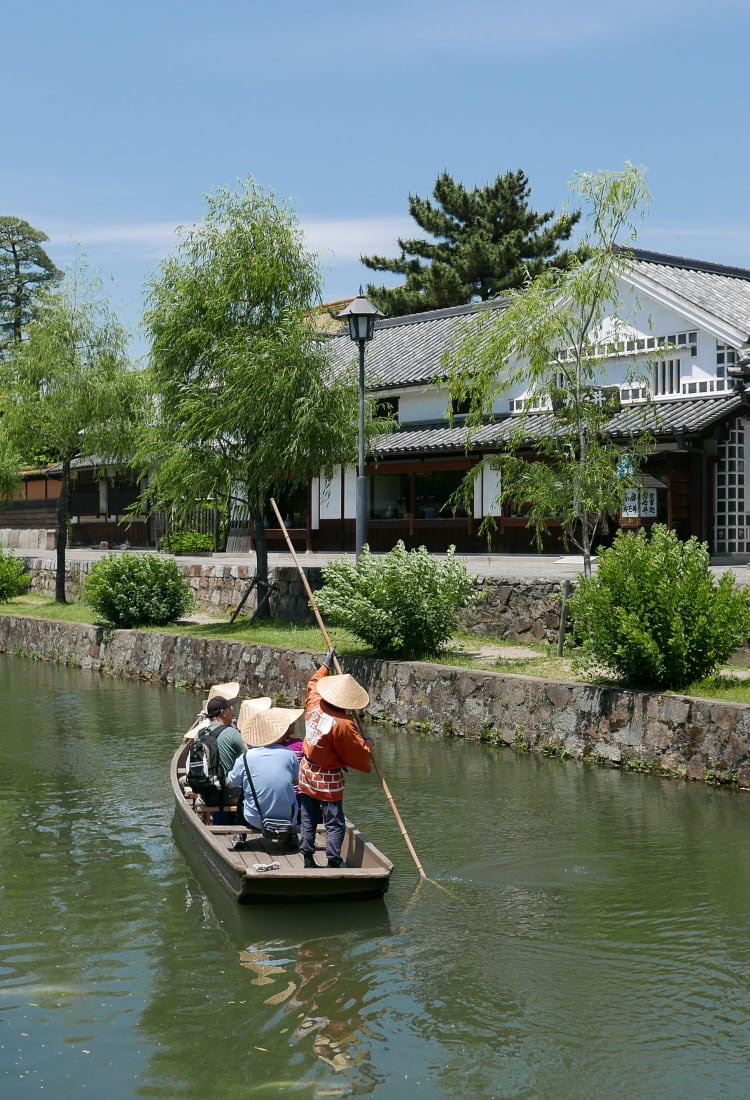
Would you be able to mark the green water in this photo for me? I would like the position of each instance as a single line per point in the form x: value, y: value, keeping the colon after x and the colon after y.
x: 587, y: 939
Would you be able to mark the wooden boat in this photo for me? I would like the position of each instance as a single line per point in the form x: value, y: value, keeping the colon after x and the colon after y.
x: 268, y: 872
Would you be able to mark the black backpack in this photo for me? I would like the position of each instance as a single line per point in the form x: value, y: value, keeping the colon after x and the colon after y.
x: 206, y: 774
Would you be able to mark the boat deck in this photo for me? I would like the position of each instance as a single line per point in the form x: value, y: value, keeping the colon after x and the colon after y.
x: 267, y: 870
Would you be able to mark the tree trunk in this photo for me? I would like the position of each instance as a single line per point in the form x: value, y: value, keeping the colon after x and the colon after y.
x: 261, y: 564
x: 586, y: 545
x: 62, y: 532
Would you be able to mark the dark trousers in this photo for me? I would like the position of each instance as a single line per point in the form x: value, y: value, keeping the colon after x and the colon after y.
x: 332, y: 816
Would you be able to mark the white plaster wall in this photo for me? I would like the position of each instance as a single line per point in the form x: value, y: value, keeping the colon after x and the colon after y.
x: 329, y: 497
x: 429, y: 404
x: 486, y: 492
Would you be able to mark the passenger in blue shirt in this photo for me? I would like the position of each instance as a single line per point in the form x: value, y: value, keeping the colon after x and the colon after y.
x: 274, y: 768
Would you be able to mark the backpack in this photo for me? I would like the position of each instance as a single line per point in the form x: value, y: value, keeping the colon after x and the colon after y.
x: 205, y: 772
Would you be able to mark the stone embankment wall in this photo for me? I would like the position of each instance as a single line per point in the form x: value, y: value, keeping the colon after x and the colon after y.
x: 517, y: 612
x: 677, y: 735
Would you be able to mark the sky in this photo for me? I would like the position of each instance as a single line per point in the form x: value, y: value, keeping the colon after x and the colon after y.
x: 120, y: 119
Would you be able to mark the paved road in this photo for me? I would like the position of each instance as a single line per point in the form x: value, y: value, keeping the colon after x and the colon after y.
x: 511, y: 567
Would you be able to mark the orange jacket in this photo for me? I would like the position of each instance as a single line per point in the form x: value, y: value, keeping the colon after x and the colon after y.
x: 332, y: 742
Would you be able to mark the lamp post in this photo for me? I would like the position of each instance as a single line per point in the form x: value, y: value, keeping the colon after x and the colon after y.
x: 361, y: 315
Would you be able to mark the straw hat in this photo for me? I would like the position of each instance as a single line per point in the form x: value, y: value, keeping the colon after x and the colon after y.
x: 251, y: 707
x: 268, y: 726
x: 228, y: 691
x: 343, y: 691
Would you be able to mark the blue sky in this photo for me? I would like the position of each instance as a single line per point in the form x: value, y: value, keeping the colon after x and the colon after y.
x: 120, y: 118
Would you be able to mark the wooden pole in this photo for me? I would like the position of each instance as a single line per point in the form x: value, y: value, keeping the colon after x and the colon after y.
x: 563, y: 618
x: 328, y: 642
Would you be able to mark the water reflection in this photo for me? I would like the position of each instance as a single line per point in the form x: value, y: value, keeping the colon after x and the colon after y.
x: 311, y: 986
x: 590, y: 940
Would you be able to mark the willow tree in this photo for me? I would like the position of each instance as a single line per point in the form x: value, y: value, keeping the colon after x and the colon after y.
x: 247, y: 403
x: 549, y: 342
x: 68, y: 389
x: 10, y: 467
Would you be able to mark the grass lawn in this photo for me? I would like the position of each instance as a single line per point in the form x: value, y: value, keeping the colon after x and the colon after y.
x: 465, y: 650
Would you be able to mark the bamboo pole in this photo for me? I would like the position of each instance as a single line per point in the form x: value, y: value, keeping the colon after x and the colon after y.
x: 329, y: 645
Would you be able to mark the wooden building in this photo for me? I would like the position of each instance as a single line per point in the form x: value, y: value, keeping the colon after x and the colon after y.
x: 696, y: 477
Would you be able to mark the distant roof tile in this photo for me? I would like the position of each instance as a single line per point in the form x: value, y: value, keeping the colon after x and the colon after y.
x: 694, y: 416
x: 718, y: 289
x: 408, y: 351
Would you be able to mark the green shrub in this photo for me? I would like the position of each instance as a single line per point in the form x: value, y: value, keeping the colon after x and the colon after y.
x: 404, y: 604
x: 187, y: 542
x: 138, y: 590
x: 13, y: 579
x: 654, y: 614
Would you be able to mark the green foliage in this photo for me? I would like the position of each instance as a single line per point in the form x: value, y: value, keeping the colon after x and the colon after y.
x: 405, y: 604
x: 13, y: 579
x: 549, y: 345
x: 10, y: 466
x: 129, y: 590
x: 248, y: 405
x: 24, y: 269
x: 187, y: 542
x: 654, y: 614
x: 67, y: 390
x: 482, y: 243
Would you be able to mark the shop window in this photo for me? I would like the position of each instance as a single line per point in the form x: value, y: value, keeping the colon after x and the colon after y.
x: 433, y: 494
x: 389, y: 496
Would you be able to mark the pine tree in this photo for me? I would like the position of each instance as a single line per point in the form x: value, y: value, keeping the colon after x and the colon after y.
x: 24, y: 269
x: 486, y: 242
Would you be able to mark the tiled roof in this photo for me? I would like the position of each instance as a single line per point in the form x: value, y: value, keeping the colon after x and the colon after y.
x: 693, y: 416
x: 719, y: 290
x: 408, y: 351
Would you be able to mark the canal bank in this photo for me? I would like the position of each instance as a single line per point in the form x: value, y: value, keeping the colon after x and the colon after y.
x: 680, y: 736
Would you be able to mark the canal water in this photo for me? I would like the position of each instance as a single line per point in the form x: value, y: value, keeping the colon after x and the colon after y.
x: 585, y: 936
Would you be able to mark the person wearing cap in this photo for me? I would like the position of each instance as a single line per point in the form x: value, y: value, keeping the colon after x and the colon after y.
x: 274, y: 768
x: 332, y: 743
x: 220, y: 713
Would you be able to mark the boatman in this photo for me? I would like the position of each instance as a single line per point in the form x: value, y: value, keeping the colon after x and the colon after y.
x: 332, y: 742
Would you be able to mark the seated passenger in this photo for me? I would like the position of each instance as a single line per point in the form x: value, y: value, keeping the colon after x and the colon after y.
x: 229, y: 742
x: 267, y: 771
x: 228, y: 691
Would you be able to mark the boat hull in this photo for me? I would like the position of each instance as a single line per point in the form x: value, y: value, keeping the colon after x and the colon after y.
x: 366, y: 872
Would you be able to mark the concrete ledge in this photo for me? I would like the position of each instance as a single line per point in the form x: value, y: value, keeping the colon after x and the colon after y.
x: 33, y: 538
x: 698, y: 739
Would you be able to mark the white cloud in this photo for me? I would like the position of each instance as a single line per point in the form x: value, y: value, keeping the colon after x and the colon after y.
x: 147, y: 239
x: 336, y: 240
x: 343, y: 240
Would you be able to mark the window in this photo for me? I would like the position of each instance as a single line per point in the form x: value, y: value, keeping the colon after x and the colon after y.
x: 666, y: 378
x: 389, y: 496
x: 293, y: 508
x: 386, y: 408
x: 433, y: 492
x: 461, y: 408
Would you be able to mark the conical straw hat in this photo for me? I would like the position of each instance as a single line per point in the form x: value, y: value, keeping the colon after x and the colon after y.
x: 251, y: 707
x: 343, y: 692
x: 229, y: 692
x: 268, y: 726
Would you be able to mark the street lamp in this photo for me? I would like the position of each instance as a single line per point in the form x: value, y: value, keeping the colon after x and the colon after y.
x: 361, y: 315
